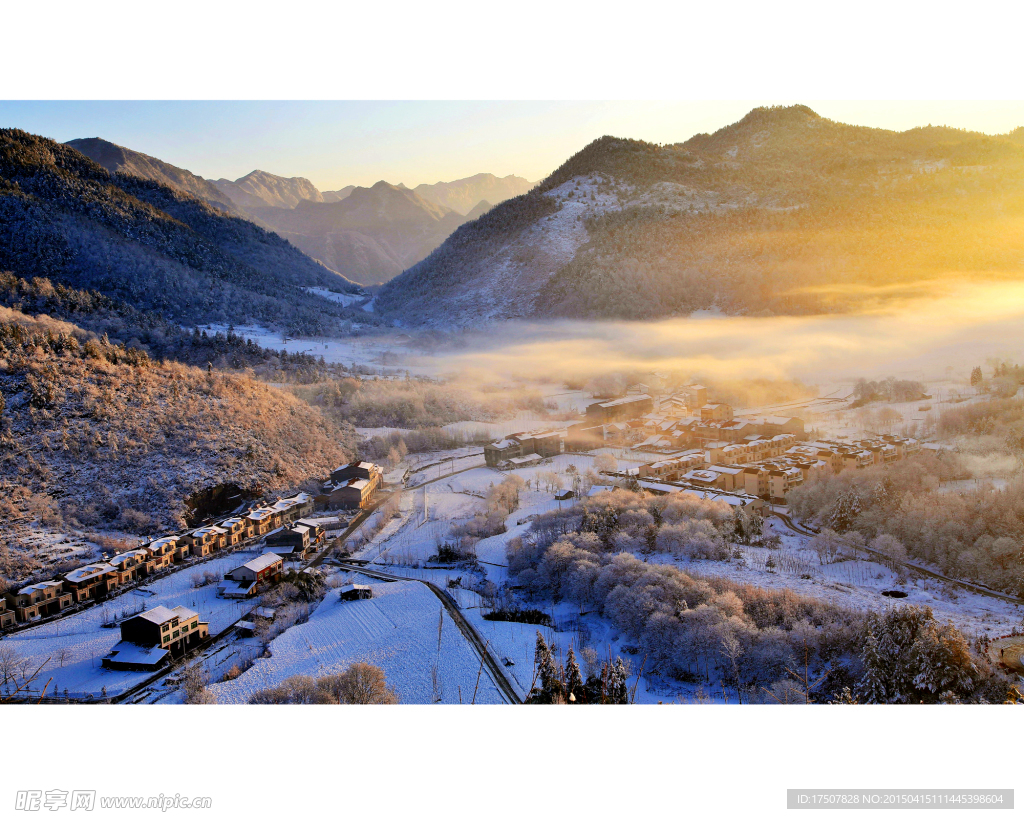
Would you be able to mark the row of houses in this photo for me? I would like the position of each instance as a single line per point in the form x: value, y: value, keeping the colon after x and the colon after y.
x: 97, y: 580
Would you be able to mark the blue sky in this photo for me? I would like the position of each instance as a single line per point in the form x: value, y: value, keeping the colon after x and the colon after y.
x: 341, y: 143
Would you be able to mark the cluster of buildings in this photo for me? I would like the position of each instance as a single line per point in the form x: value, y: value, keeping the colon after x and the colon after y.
x: 706, y: 446
x: 97, y: 580
x: 770, y: 468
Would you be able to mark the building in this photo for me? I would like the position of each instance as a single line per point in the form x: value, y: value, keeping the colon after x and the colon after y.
x: 290, y: 509
x: 91, y: 582
x: 258, y: 522
x: 716, y: 412
x: 355, y: 591
x: 546, y: 443
x: 160, y: 553
x: 38, y: 600
x: 620, y: 409
x: 130, y: 565
x: 503, y: 450
x: 235, y: 531
x: 357, y: 469
x: 150, y: 638
x: 205, y: 539
x: 7, y: 617
x: 355, y: 493
x: 317, y: 533
x: 290, y: 542
x: 242, y: 581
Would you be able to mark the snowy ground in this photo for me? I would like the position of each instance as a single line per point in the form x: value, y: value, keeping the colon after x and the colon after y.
x: 85, y: 642
x: 403, y: 629
x: 858, y: 583
x: 381, y: 354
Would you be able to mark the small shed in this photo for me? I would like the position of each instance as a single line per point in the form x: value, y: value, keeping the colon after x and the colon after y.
x: 356, y: 591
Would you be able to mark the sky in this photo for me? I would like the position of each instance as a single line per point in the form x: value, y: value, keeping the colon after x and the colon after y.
x: 341, y: 143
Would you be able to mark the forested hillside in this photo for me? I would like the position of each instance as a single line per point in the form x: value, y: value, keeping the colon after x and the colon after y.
x: 156, y: 336
x: 64, y: 217
x: 118, y: 159
x: 784, y: 212
x: 98, y: 435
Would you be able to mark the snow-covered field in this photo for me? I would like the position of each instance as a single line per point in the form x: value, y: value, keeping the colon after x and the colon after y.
x: 401, y: 629
x: 74, y: 645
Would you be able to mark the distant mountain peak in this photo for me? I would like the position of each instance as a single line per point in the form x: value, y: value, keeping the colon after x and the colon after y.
x: 118, y: 159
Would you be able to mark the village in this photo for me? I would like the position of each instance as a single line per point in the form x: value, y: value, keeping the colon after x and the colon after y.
x: 677, y: 442
x: 702, y: 447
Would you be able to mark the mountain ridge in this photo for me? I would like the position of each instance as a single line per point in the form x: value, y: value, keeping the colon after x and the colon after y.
x: 748, y: 220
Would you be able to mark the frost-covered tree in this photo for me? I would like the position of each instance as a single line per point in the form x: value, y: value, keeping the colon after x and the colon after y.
x: 573, y: 678
x: 545, y: 665
x: 844, y: 512
x: 618, y: 692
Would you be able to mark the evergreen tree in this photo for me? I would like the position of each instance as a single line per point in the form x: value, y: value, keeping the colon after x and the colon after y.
x: 545, y: 665
x: 618, y: 693
x: 573, y: 678
x: 844, y: 512
x: 976, y: 376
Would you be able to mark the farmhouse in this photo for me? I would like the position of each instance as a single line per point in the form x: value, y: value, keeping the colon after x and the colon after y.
x: 258, y: 522
x: 355, y: 591
x: 130, y: 565
x: 293, y: 508
x: 242, y: 581
x: 355, y: 493
x: 160, y: 553
x: 205, y: 539
x: 149, y: 638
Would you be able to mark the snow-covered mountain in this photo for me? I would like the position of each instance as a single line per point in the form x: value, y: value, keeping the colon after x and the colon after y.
x: 781, y: 212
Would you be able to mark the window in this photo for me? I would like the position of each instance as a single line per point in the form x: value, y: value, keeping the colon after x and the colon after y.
x: 165, y: 627
x: 167, y: 638
x: 176, y: 635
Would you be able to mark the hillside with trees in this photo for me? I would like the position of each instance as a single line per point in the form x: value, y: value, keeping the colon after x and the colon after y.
x: 118, y: 159
x: 614, y: 555
x: 783, y: 212
x: 65, y: 217
x: 98, y: 435
x: 159, y: 338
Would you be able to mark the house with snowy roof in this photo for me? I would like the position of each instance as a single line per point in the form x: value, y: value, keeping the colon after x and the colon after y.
x: 37, y: 600
x: 243, y: 580
x: 130, y: 565
x: 364, y: 470
x: 293, y: 542
x: 150, y: 638
x: 258, y: 522
x: 91, y: 582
